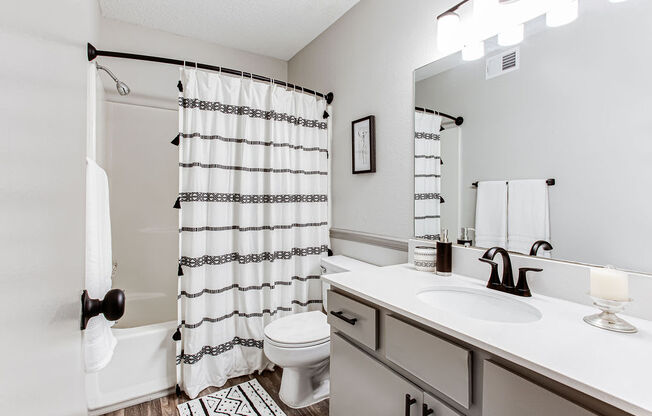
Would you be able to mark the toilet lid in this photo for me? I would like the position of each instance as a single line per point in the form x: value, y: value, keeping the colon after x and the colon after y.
x: 299, y: 329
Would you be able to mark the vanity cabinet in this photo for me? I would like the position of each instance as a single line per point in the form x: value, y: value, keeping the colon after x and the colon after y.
x: 525, y: 397
x: 384, y: 364
x: 362, y: 386
x: 439, y: 363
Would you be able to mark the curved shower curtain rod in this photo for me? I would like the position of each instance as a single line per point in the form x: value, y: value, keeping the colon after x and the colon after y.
x: 458, y: 120
x: 93, y: 53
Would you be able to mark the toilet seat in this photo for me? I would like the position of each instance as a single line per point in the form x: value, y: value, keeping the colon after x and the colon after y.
x: 299, y: 330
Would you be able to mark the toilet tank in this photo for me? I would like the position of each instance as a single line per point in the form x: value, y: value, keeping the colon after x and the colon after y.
x: 340, y: 264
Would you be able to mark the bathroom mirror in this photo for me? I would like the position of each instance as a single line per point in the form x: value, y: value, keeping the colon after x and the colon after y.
x: 570, y: 105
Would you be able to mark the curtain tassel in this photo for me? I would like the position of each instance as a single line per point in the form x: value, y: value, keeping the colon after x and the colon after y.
x: 325, y: 115
x: 175, y: 141
x: 177, y: 335
x: 177, y: 390
x: 177, y: 203
x: 180, y: 271
x: 180, y: 86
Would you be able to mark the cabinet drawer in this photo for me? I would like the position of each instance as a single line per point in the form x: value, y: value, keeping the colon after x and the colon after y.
x: 353, y: 318
x: 524, y: 397
x: 439, y: 363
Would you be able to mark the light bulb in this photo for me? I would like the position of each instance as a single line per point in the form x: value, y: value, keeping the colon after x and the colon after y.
x: 617, y: 1
x: 449, y: 32
x: 473, y: 51
x: 512, y: 35
x: 562, y: 13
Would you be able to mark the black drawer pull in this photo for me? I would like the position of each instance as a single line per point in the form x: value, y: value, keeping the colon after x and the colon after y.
x: 340, y: 314
x: 409, y: 401
x: 426, y: 411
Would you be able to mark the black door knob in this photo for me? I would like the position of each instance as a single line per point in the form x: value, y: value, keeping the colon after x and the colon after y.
x: 112, y: 306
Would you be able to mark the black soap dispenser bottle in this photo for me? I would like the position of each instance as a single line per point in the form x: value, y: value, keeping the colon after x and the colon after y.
x: 444, y: 255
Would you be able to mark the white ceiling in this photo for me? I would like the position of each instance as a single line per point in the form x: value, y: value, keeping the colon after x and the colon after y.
x: 276, y: 28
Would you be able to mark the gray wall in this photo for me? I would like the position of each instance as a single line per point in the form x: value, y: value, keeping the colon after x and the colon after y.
x: 577, y: 110
x: 366, y: 58
x: 42, y: 155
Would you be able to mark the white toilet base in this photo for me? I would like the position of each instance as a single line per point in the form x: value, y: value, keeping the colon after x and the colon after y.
x: 305, y: 386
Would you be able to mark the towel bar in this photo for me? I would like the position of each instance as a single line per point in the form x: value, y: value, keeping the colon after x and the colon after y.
x: 549, y: 182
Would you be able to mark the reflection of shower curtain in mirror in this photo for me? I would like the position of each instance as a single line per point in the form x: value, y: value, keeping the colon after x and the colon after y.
x: 427, y: 175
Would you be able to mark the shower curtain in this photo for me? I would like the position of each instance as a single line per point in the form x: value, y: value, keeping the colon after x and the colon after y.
x: 427, y: 175
x: 253, y: 165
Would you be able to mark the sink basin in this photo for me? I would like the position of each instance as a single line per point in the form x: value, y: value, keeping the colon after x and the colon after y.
x: 484, y: 305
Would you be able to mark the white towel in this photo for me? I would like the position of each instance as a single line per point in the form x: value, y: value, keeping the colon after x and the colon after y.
x: 528, y: 215
x: 491, y: 214
x: 99, y: 341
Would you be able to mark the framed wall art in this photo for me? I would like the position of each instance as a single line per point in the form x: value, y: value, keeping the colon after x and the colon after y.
x: 363, y: 145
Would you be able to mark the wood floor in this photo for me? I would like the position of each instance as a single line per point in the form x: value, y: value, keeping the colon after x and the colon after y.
x: 270, y: 380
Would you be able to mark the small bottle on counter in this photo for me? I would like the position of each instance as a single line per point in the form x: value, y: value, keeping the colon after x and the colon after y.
x: 465, y: 237
x: 425, y: 258
x: 444, y: 255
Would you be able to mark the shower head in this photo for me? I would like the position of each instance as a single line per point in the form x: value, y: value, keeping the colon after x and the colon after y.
x: 122, y: 88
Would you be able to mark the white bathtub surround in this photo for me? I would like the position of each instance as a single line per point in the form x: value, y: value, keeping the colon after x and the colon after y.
x: 528, y: 216
x: 427, y: 175
x: 245, y: 399
x: 491, y: 214
x: 611, y: 367
x: 98, y: 340
x: 254, y: 219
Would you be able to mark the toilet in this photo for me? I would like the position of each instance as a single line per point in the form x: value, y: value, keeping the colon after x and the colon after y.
x: 300, y: 344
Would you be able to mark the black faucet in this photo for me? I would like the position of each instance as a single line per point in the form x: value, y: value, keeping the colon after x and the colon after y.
x: 537, y: 245
x: 507, y: 282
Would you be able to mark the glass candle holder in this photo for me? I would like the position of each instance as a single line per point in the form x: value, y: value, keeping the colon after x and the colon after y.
x: 607, y: 319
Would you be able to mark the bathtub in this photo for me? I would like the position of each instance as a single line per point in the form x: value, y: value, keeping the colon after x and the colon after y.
x: 142, y: 368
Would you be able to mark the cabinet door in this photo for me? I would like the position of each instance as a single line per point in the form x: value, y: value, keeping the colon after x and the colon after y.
x: 438, y: 407
x: 362, y: 386
x: 507, y: 394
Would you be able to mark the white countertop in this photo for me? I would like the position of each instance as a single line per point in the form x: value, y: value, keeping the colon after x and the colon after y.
x: 613, y: 367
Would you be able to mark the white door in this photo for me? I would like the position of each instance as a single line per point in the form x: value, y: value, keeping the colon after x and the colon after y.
x: 42, y: 175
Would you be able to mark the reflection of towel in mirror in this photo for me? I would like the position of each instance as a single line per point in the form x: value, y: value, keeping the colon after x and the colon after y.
x: 528, y: 215
x: 491, y: 214
x: 99, y: 341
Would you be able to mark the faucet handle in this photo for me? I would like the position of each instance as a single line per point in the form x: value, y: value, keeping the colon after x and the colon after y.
x: 494, y: 280
x: 522, y: 288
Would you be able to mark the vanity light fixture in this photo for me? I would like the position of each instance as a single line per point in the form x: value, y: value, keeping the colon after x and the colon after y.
x: 617, y: 1
x: 449, y: 29
x: 449, y: 32
x: 563, y: 12
x: 512, y: 35
x: 473, y: 51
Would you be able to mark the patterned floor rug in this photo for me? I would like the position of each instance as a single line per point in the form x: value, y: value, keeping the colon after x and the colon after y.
x: 245, y: 399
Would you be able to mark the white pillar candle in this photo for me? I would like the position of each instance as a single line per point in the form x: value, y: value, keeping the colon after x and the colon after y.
x: 609, y: 284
